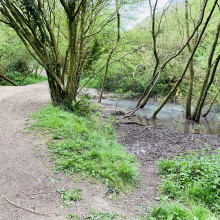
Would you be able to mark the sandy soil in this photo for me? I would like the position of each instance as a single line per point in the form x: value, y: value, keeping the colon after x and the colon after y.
x: 27, y: 179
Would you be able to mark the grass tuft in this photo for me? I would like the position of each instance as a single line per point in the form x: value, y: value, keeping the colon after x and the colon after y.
x: 175, y: 210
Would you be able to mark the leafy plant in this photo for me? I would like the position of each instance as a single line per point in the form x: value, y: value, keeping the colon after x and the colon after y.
x: 194, y: 177
x: 95, y: 215
x: 177, y: 211
x: 69, y: 197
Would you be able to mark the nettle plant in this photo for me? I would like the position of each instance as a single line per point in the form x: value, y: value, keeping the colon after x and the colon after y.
x: 195, y: 176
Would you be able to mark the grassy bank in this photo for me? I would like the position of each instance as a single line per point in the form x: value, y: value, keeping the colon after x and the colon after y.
x: 190, y: 187
x: 87, y: 145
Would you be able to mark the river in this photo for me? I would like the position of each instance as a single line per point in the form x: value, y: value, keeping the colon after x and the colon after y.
x: 171, y: 117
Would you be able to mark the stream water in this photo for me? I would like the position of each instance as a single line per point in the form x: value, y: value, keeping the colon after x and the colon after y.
x: 172, y: 117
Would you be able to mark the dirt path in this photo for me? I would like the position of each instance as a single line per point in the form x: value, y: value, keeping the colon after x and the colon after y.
x: 23, y: 174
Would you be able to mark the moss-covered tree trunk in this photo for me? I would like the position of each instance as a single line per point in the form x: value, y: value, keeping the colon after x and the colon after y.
x: 191, y: 66
x: 55, y: 33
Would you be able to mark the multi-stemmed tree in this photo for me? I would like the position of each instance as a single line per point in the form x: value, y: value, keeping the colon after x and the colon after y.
x: 57, y: 34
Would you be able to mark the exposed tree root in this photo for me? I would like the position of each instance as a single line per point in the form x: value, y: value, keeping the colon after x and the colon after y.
x: 26, y: 209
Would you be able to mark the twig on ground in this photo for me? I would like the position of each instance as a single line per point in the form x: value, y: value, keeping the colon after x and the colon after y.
x: 79, y: 211
x: 26, y: 209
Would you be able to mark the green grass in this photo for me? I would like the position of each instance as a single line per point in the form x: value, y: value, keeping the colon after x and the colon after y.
x: 194, y: 181
x: 22, y: 79
x: 97, y: 215
x: 88, y: 145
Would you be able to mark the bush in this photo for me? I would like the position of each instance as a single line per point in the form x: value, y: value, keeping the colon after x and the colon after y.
x: 19, y: 65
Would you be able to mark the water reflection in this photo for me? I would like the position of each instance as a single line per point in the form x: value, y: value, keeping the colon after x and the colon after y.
x: 172, y: 117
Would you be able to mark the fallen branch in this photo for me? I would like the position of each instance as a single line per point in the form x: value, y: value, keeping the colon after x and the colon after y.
x: 26, y: 209
x: 7, y: 79
x: 132, y: 122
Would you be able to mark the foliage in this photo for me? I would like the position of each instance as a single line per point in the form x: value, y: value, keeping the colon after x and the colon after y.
x: 96, y: 215
x: 87, y: 145
x: 82, y: 107
x: 13, y: 55
x: 193, y: 178
x: 134, y: 71
x: 23, y: 79
x: 175, y: 210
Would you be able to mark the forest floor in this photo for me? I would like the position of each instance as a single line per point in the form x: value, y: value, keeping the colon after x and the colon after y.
x: 27, y: 178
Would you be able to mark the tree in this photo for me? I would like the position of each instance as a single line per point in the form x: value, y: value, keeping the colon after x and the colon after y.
x: 112, y: 50
x: 188, y: 63
x: 191, y: 65
x: 57, y: 34
x: 209, y: 78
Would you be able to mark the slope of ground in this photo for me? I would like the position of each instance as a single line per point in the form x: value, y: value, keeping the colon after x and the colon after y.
x: 26, y: 172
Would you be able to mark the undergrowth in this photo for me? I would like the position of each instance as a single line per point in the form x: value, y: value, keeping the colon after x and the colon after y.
x: 194, y: 181
x: 96, y: 215
x: 88, y: 145
x: 23, y: 79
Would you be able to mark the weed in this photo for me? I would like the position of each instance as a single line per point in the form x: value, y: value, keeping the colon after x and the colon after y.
x: 69, y: 197
x: 73, y: 216
x: 88, y: 145
x: 175, y: 210
x: 95, y: 215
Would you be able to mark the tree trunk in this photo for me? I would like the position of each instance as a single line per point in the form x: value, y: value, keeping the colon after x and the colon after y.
x: 111, y: 51
x: 142, y: 103
x: 190, y: 91
x: 58, y: 96
x: 210, y: 106
x: 198, y: 115
x: 191, y: 67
